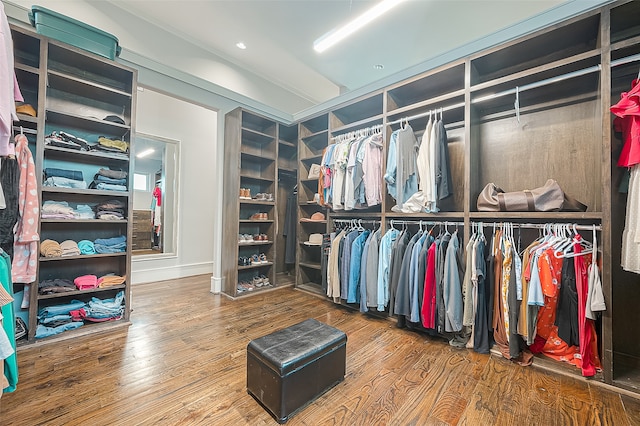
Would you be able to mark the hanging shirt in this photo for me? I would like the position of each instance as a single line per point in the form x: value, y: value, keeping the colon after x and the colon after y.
x: 452, y: 287
x: 353, y: 291
x: 627, y: 111
x: 384, y: 261
x: 372, y: 170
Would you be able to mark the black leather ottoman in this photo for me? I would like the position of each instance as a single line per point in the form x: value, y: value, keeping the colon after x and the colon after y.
x: 289, y: 368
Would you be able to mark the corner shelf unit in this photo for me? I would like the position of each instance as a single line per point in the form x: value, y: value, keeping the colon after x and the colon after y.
x: 73, y: 91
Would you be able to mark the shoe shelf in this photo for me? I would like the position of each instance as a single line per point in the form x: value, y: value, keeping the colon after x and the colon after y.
x: 72, y: 83
x: 255, y: 243
x: 252, y: 201
x: 255, y: 266
x: 255, y: 221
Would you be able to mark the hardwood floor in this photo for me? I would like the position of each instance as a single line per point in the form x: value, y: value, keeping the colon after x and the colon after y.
x: 183, y: 362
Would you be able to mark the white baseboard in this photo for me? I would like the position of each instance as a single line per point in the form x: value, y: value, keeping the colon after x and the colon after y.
x: 170, y: 272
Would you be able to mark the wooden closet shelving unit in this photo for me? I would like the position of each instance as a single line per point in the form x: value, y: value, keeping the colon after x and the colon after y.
x: 72, y: 91
x: 566, y: 77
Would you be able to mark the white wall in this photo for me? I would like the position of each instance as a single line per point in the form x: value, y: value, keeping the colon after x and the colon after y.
x: 196, y: 128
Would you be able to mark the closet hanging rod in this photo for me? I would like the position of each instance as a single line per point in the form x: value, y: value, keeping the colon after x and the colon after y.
x: 361, y: 130
x: 540, y: 225
x: 357, y: 221
x: 425, y: 222
x: 625, y: 60
x: 540, y: 83
x: 424, y: 114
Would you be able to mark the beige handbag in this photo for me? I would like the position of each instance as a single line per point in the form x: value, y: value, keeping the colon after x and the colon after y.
x: 547, y: 198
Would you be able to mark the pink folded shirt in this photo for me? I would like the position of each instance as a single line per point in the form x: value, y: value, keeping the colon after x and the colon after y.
x: 85, y: 282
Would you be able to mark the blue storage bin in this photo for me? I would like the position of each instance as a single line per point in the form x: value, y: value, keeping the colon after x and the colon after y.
x: 71, y: 31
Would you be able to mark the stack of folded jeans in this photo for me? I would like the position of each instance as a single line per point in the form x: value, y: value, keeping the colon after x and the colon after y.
x: 111, y: 210
x: 110, y: 245
x: 64, y: 178
x: 57, y: 318
x: 110, y: 180
x: 100, y: 310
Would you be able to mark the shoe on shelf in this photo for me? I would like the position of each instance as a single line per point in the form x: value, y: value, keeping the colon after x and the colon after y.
x: 262, y: 258
x: 269, y: 197
x: 257, y: 281
x: 265, y: 237
x: 242, y: 261
x: 261, y: 197
x: 248, y: 238
x: 241, y: 238
x: 258, y: 216
x: 265, y: 281
x: 255, y: 260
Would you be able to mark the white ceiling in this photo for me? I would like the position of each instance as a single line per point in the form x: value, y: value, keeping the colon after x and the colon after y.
x: 279, y: 35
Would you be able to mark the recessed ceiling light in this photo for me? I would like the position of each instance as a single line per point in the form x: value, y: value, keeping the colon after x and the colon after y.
x: 241, y: 45
x: 336, y: 35
x: 378, y: 67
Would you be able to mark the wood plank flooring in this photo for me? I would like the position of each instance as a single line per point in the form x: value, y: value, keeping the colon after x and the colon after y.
x: 183, y: 362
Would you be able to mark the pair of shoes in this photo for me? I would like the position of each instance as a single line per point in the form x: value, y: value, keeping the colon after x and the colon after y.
x: 245, y: 238
x: 265, y: 281
x: 245, y: 193
x: 257, y: 281
x: 244, y: 261
x: 244, y: 286
x: 262, y: 196
x: 258, y: 259
x: 260, y: 237
x: 259, y: 216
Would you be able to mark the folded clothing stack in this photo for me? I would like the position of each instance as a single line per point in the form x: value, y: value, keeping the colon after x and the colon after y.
x: 57, y: 318
x: 66, y: 140
x: 64, y: 178
x: 112, y: 145
x: 101, y: 310
x: 57, y: 285
x: 62, y: 210
x: 86, y: 282
x: 110, y: 245
x: 110, y: 180
x: 86, y: 247
x: 57, y: 210
x: 111, y: 280
x: 69, y: 248
x: 111, y: 210
x: 50, y: 248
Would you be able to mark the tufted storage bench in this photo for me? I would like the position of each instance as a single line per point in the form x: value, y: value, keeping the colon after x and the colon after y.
x: 289, y: 368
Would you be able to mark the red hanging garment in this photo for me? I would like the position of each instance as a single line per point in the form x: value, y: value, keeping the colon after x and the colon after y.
x: 627, y: 121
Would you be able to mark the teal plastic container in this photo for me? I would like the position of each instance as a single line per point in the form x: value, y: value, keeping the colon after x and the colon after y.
x: 71, y: 31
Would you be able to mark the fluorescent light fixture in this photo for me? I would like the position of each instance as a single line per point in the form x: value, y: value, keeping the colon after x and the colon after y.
x: 145, y: 152
x: 241, y: 45
x: 333, y: 37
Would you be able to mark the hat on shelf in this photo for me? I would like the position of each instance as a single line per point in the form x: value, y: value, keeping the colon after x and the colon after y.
x: 314, y: 240
x: 316, y: 217
x: 314, y: 171
x: 114, y: 119
x: 26, y: 109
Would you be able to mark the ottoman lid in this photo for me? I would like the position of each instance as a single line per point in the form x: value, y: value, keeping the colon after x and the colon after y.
x: 292, y: 347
